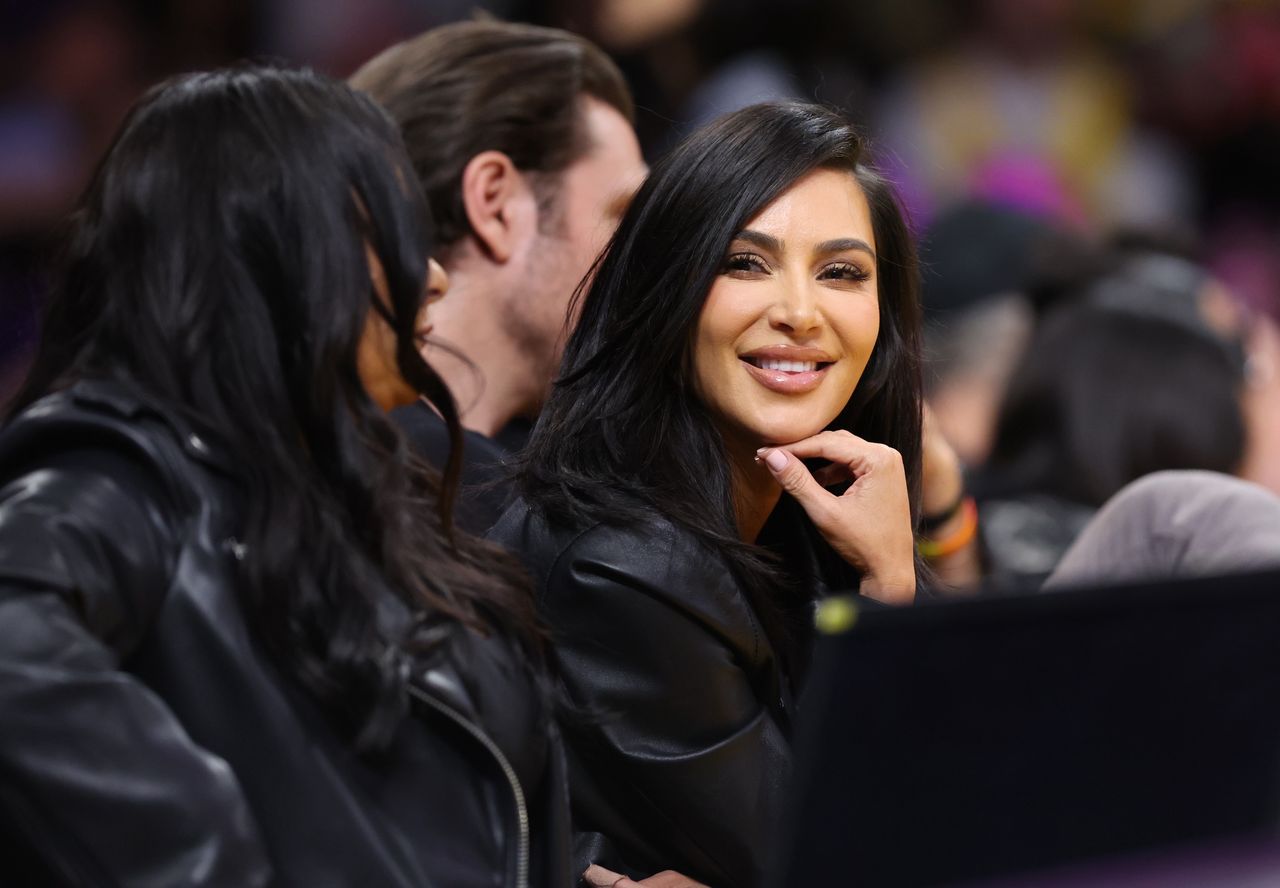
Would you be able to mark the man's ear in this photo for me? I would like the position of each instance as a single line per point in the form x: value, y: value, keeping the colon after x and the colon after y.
x: 499, y: 203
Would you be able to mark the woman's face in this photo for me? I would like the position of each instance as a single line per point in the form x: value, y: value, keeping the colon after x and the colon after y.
x: 791, y: 319
x: 377, y: 357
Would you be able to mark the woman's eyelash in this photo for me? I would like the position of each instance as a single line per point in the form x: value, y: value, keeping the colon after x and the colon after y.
x: 743, y: 262
x: 847, y: 271
x: 750, y: 262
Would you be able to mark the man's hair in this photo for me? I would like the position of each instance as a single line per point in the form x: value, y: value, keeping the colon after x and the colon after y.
x: 479, y: 86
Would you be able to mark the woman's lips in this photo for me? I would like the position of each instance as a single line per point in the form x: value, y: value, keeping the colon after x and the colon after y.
x: 785, y: 382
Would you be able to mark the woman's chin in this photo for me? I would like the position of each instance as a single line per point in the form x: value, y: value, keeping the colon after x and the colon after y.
x: 782, y: 435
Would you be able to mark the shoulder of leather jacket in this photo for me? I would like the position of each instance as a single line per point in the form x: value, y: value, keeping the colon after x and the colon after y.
x: 660, y: 559
x: 113, y: 406
x: 91, y: 510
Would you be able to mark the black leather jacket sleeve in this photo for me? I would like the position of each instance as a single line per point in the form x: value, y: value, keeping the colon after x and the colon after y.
x: 98, y: 773
x: 679, y: 762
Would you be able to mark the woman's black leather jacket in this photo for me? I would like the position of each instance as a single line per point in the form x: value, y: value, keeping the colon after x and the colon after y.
x: 680, y: 756
x: 147, y: 740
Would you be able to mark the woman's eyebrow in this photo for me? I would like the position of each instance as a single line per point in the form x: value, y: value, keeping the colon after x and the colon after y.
x: 836, y: 245
x: 841, y: 244
x: 760, y: 239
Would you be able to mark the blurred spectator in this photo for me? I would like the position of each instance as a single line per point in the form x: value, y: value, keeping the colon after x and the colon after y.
x: 1129, y: 379
x: 1175, y: 524
x: 1026, y: 111
x: 977, y: 260
x: 1262, y: 402
x: 1158, y: 277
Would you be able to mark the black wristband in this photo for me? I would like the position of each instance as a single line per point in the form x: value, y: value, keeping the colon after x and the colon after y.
x: 930, y: 523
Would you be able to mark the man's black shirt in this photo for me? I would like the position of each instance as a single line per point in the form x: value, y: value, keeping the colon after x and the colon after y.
x: 484, y: 485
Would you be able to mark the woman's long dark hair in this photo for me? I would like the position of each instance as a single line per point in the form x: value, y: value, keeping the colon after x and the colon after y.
x: 217, y: 263
x: 623, y: 433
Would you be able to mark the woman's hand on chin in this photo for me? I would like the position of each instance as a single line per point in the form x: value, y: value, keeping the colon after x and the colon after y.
x: 869, y: 525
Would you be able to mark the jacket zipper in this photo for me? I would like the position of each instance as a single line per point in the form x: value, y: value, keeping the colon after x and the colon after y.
x: 517, y: 792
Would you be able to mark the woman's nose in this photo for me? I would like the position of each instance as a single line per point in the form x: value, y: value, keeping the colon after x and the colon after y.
x: 437, y: 280
x: 796, y: 309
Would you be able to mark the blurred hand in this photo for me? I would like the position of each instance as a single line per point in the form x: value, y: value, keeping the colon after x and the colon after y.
x: 942, y: 485
x: 942, y: 478
x: 599, y: 877
x: 627, y: 25
x: 869, y: 525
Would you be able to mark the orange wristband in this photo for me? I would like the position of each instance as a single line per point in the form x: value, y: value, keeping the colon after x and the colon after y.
x: 953, y: 543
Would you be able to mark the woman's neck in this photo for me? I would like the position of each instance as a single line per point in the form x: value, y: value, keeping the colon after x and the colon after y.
x: 755, y: 492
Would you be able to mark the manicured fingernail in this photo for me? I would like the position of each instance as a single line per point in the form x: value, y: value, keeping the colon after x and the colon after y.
x: 776, y: 459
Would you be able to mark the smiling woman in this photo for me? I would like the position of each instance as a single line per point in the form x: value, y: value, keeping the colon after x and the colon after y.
x: 756, y: 308
x: 794, y: 309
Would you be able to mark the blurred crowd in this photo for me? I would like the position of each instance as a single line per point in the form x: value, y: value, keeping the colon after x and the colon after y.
x: 1091, y: 181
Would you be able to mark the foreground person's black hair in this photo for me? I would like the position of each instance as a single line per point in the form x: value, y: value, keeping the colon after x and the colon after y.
x: 686, y: 638
x: 224, y: 582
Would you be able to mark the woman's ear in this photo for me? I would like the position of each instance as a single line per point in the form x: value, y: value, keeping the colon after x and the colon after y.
x: 499, y: 203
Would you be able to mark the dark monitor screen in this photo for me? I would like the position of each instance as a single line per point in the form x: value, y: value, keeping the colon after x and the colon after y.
x: 974, y: 740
